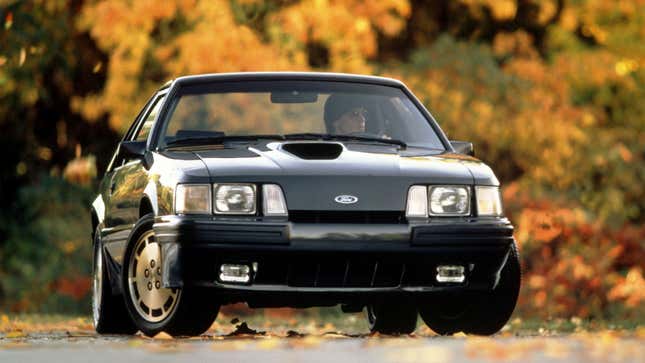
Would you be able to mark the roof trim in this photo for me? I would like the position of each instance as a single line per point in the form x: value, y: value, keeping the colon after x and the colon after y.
x: 287, y: 76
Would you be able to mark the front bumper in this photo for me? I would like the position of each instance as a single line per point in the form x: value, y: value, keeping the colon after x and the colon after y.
x: 337, y: 259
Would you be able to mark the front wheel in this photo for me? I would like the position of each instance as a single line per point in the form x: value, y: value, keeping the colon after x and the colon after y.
x: 154, y: 308
x: 483, y: 313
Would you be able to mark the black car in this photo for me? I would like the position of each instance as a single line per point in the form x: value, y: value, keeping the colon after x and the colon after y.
x: 298, y: 190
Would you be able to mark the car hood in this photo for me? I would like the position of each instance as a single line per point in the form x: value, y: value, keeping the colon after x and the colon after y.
x: 379, y: 176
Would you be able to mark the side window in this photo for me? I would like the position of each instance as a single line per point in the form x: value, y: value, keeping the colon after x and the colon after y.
x: 148, y: 122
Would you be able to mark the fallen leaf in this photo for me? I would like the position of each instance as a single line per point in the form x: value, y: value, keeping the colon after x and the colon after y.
x: 15, y: 334
x: 163, y: 336
x: 335, y: 335
x: 294, y: 334
x: 243, y: 329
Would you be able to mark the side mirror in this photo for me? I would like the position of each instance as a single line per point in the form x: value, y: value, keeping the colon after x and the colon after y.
x: 463, y: 147
x: 133, y: 149
x: 136, y: 150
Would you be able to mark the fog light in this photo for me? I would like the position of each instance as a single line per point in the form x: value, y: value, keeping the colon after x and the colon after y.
x: 450, y: 273
x: 235, y: 273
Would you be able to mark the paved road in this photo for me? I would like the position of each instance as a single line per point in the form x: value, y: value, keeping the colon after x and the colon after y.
x: 331, y: 347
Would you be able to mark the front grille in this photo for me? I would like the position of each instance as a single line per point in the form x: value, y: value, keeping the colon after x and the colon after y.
x: 347, y: 272
x: 351, y: 217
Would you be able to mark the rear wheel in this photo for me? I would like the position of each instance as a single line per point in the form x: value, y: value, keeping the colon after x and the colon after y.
x: 108, y: 311
x: 177, y: 311
x: 391, y: 317
x: 483, y: 313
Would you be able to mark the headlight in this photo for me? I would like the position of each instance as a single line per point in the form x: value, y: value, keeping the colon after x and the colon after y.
x: 417, y: 205
x: 489, y: 202
x: 234, y: 198
x: 449, y: 200
x: 193, y: 199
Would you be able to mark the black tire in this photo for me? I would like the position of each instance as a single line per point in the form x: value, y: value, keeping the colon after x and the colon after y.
x: 108, y: 310
x: 483, y: 313
x: 494, y: 309
x: 393, y: 318
x: 445, y: 313
x: 193, y: 311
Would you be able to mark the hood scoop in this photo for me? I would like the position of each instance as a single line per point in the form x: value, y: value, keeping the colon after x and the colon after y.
x: 314, y: 150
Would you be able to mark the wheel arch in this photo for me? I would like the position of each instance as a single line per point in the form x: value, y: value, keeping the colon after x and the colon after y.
x: 145, y: 207
x: 148, y: 202
x: 97, y: 213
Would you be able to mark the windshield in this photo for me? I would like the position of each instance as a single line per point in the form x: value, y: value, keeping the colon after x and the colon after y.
x: 296, y: 109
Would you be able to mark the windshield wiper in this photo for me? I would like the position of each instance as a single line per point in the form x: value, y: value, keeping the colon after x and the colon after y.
x: 316, y: 136
x: 205, y: 140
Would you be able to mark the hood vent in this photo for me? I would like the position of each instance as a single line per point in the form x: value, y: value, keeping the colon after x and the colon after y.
x: 314, y: 150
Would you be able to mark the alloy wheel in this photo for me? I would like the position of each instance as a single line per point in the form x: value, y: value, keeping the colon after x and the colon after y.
x: 152, y: 302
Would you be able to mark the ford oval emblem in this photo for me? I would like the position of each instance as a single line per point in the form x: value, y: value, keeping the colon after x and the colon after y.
x: 346, y: 199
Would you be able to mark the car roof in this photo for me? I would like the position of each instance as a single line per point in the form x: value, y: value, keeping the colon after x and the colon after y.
x: 283, y: 76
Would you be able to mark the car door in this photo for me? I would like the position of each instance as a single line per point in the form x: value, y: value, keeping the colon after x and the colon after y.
x: 126, y: 183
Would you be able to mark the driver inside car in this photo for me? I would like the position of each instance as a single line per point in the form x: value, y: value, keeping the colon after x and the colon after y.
x: 345, y: 115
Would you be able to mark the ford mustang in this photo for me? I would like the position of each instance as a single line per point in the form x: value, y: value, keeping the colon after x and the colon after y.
x: 298, y: 190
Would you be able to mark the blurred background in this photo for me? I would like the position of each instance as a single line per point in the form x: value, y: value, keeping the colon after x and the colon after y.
x: 551, y: 92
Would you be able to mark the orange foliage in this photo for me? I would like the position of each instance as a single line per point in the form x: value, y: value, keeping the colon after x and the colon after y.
x: 630, y: 288
x: 213, y: 40
x: 574, y: 266
x: 348, y: 28
x: 75, y: 287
